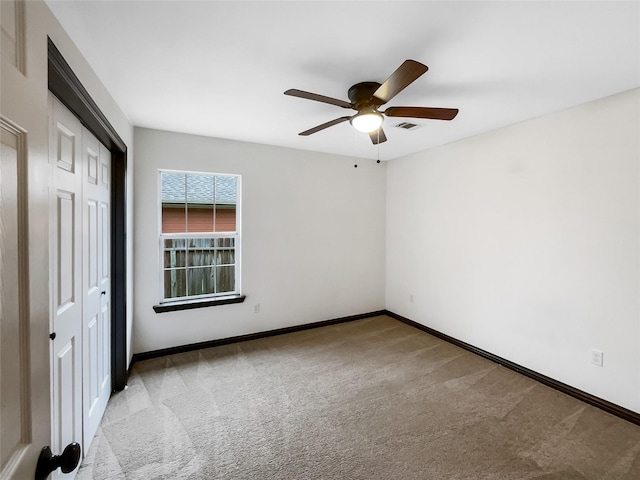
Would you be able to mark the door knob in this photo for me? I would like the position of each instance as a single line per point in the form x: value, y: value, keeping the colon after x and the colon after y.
x: 48, y: 462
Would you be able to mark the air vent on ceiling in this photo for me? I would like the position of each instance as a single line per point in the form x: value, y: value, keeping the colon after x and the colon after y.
x: 407, y: 125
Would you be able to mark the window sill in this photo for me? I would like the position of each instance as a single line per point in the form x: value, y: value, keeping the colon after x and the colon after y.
x: 200, y: 303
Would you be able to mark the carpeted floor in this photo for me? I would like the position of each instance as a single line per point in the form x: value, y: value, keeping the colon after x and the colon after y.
x: 370, y: 399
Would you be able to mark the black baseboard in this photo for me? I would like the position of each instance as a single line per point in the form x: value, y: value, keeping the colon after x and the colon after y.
x: 137, y: 357
x: 602, y: 404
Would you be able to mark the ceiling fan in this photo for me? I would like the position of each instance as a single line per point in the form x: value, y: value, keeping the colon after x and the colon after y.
x: 367, y: 97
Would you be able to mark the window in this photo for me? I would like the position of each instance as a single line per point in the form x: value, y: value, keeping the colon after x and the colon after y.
x: 199, y: 235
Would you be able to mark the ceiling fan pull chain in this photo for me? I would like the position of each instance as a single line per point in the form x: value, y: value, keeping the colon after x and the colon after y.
x: 355, y: 148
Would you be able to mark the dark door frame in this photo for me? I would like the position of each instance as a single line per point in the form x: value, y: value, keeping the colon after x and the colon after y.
x: 66, y: 86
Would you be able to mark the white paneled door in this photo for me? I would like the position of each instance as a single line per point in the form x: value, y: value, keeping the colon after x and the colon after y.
x: 80, y: 355
x: 66, y: 258
x: 96, y: 333
x: 25, y: 411
x: 17, y: 412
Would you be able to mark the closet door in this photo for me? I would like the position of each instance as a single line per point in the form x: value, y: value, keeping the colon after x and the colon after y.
x: 67, y: 291
x: 96, y: 326
x: 81, y: 262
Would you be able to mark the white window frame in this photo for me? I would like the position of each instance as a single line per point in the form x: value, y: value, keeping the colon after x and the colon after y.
x: 235, y: 235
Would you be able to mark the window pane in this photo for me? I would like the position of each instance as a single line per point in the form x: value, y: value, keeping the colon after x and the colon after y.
x: 201, y: 281
x: 173, y: 187
x: 175, y: 258
x: 200, y: 189
x: 200, y: 198
x: 225, y: 279
x: 174, y: 243
x: 225, y: 218
x: 199, y: 243
x: 175, y: 283
x: 225, y: 242
x: 226, y: 200
x: 201, y: 257
x: 225, y: 257
x: 173, y: 219
x: 200, y: 218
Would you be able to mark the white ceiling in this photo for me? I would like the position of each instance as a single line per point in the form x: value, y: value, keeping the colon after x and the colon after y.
x: 219, y: 68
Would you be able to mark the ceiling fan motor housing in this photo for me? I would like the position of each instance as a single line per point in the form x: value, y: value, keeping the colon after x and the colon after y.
x: 361, y: 95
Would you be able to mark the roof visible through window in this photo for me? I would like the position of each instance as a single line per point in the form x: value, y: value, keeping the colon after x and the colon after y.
x: 198, y: 188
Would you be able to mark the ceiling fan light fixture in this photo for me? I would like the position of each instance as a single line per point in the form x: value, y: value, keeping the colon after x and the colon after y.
x: 367, y: 122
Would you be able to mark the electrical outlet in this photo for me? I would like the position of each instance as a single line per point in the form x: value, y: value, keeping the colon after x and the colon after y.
x: 597, y: 357
x: 256, y: 308
x: 411, y: 297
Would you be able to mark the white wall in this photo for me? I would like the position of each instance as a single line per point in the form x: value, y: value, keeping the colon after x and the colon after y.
x: 313, y: 241
x: 524, y: 242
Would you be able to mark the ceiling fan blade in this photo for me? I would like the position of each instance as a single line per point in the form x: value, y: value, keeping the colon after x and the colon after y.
x: 422, y: 112
x: 378, y: 136
x: 323, y: 126
x: 404, y: 75
x: 318, y: 98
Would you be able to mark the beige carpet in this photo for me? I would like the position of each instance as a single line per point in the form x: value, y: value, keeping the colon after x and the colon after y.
x: 370, y: 399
